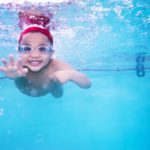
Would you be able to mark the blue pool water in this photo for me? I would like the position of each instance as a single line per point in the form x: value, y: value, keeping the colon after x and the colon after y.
x: 103, y: 39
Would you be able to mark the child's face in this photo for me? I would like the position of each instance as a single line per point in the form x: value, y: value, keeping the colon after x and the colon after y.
x: 37, y: 51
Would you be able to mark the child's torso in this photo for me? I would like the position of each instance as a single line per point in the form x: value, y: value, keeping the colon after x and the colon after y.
x: 37, y: 84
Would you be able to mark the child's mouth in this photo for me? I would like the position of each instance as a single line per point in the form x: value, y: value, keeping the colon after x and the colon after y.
x: 35, y: 63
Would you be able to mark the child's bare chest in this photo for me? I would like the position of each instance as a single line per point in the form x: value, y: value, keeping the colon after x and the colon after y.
x: 34, y: 87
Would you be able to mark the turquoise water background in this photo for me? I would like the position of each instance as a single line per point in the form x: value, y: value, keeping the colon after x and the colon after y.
x: 114, y: 113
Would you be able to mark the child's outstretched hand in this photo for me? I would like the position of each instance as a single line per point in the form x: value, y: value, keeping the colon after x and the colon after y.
x: 13, y: 69
x: 60, y: 77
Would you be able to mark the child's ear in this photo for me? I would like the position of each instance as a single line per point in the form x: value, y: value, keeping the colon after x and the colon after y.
x: 52, y: 52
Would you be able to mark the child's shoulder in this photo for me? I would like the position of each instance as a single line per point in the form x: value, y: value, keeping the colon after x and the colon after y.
x: 60, y: 65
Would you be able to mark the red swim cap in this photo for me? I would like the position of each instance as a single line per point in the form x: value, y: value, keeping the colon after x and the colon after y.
x: 42, y: 30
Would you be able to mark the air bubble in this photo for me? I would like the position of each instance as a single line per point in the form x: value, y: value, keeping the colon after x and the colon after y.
x: 1, y: 112
x: 33, y: 92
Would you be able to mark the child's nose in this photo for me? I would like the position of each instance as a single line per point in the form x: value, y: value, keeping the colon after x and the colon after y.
x: 35, y: 53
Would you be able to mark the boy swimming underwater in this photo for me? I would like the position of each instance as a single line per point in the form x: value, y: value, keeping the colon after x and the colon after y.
x: 37, y: 73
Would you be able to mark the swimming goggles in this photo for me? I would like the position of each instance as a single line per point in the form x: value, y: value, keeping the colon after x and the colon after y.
x: 27, y: 49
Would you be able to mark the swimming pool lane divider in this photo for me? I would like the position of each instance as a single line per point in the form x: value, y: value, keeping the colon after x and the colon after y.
x: 140, y: 69
x: 140, y: 59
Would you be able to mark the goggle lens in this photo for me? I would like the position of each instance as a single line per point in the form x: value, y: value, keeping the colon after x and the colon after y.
x: 27, y: 49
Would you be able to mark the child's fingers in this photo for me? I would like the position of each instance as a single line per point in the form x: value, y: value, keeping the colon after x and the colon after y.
x: 23, y: 71
x: 4, y: 62
x: 11, y: 59
x: 19, y: 64
x: 54, y: 80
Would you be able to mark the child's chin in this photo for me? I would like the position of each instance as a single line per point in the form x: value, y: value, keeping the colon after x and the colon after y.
x: 35, y: 69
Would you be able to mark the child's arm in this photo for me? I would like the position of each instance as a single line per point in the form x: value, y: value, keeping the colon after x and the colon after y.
x: 13, y: 69
x: 74, y: 76
x: 79, y: 78
x: 66, y: 73
x: 60, y: 77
